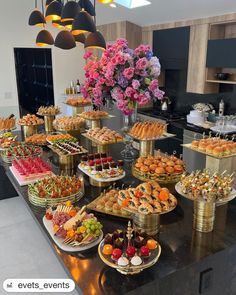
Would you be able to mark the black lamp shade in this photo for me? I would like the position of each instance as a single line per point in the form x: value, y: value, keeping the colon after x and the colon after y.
x: 87, y: 6
x: 95, y: 40
x: 44, y: 38
x: 57, y: 24
x: 48, y: 2
x: 36, y: 18
x: 80, y: 38
x: 83, y: 23
x: 68, y: 24
x: 53, y: 11
x: 69, y: 11
x: 65, y: 40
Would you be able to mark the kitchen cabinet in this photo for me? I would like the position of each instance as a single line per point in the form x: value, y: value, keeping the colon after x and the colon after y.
x: 196, y: 81
x: 172, y: 46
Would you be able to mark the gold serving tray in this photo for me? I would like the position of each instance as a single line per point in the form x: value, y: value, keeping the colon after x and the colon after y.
x: 189, y: 146
x: 92, y: 206
x: 220, y: 202
x: 99, y: 142
x: 60, y: 152
x: 162, y: 178
x: 96, y: 119
x: 163, y: 136
x: 130, y: 269
x: 49, y: 202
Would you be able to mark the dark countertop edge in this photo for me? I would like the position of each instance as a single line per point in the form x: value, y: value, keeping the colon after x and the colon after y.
x: 47, y: 237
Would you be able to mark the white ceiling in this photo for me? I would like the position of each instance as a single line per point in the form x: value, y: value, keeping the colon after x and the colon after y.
x: 161, y: 11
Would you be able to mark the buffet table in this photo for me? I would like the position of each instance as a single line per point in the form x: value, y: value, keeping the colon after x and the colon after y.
x: 186, y: 255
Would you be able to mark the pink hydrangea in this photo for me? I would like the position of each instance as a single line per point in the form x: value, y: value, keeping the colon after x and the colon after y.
x: 135, y: 84
x: 88, y: 54
x: 142, y: 64
x: 128, y: 73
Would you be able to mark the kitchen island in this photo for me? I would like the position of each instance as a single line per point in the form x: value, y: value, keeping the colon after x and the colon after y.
x: 190, y: 261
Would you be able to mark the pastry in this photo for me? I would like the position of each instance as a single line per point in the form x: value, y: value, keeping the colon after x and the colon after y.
x: 136, y: 260
x: 50, y: 110
x: 148, y: 130
x: 30, y: 120
x: 104, y: 135
x: 68, y: 123
x: 7, y: 124
x: 93, y: 115
x: 77, y: 102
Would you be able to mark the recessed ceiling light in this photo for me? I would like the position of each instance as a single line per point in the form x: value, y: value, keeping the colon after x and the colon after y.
x: 113, y: 5
x: 133, y: 3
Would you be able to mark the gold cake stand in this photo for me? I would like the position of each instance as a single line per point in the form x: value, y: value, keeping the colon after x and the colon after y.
x: 78, y: 109
x: 48, y: 121
x: 29, y: 130
x: 203, y: 211
x: 101, y: 147
x: 147, y: 146
x: 215, y: 163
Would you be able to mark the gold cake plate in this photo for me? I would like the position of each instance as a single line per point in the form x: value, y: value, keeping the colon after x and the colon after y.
x: 165, y: 135
x: 161, y: 178
x: 189, y: 146
x: 92, y: 206
x: 99, y: 142
x: 220, y: 202
x: 130, y: 269
x: 50, y: 202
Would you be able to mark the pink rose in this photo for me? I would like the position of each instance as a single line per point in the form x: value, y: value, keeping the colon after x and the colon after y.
x: 142, y: 64
x: 88, y: 54
x: 129, y: 92
x: 153, y: 85
x: 128, y: 73
x: 135, y: 84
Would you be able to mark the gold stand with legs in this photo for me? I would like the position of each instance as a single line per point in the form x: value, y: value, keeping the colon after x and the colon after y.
x: 94, y: 182
x: 48, y: 123
x: 203, y: 216
x: 102, y: 148
x: 148, y: 223
x: 146, y: 148
x: 29, y: 130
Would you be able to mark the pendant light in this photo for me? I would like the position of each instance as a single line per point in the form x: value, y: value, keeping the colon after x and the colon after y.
x: 36, y: 17
x: 48, y: 2
x: 83, y: 23
x: 53, y: 11
x: 68, y: 24
x: 87, y: 6
x: 44, y: 38
x: 95, y: 40
x: 65, y: 40
x: 57, y: 24
x: 105, y: 1
x: 80, y: 38
x: 70, y: 11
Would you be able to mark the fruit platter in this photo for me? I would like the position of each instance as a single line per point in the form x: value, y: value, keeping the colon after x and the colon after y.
x: 7, y: 139
x: 48, y: 111
x: 101, y: 167
x: 29, y: 170
x: 54, y: 190
x: 37, y: 139
x: 72, y: 228
x: 107, y: 203
x: 162, y: 168
x: 147, y: 198
x: 68, y: 148
x: 207, y: 187
x: 129, y: 252
x: 213, y: 146
x: 20, y: 151
x: 60, y: 138
x: 7, y: 124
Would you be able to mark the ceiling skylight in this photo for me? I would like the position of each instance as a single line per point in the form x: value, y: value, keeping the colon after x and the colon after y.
x: 133, y: 3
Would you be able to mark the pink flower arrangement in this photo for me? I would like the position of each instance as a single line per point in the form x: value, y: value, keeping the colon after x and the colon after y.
x: 129, y: 77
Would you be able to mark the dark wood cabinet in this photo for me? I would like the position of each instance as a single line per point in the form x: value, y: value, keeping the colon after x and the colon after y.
x: 172, y: 46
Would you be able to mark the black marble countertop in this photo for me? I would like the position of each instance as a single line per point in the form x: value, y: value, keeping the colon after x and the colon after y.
x: 182, y: 248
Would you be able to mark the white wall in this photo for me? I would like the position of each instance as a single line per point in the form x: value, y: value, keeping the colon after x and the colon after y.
x: 15, y: 32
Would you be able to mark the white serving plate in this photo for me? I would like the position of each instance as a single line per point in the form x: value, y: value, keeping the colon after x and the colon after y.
x: 101, y: 179
x: 26, y: 182
x: 224, y: 129
x: 58, y: 241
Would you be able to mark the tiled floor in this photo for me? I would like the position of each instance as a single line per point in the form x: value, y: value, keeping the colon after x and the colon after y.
x: 6, y: 189
x: 24, y: 251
